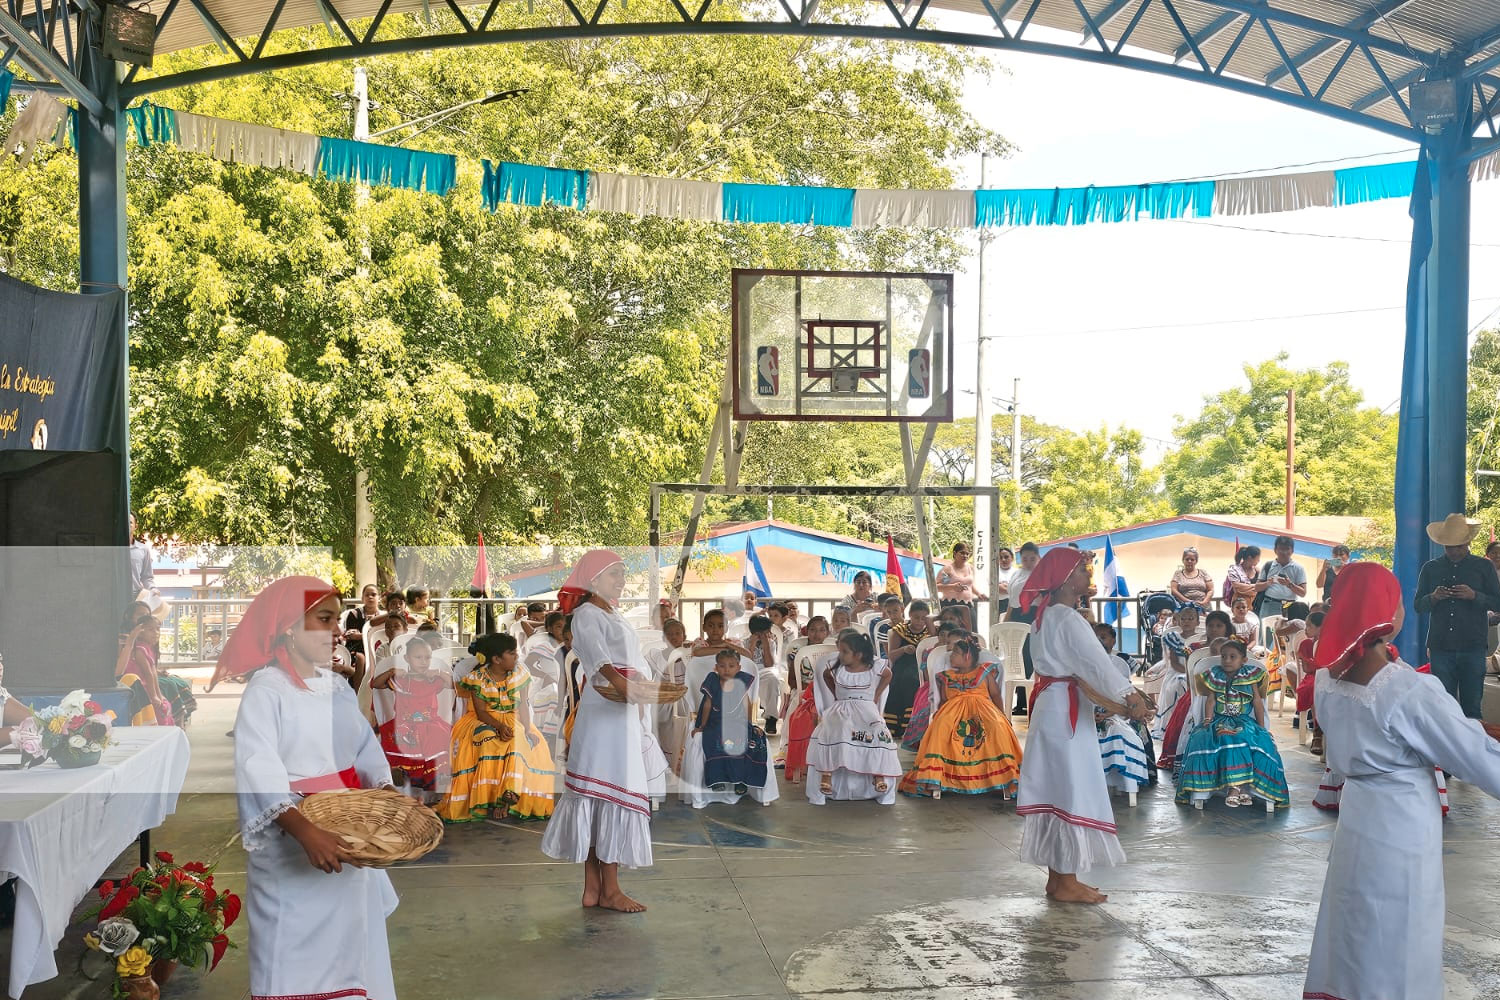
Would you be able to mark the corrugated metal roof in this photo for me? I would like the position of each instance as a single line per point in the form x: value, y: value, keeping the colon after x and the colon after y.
x: 1375, y: 46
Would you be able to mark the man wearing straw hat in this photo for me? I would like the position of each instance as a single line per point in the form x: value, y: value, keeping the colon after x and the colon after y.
x: 1459, y: 590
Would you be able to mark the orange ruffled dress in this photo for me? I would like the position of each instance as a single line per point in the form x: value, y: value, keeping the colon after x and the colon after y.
x: 970, y: 747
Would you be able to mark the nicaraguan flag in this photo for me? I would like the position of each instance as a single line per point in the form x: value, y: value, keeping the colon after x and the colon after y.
x: 755, y: 575
x: 1114, y: 584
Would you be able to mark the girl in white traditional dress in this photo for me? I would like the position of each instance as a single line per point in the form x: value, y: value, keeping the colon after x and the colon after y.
x: 317, y: 921
x: 852, y: 736
x: 1068, y: 824
x: 604, y: 816
x: 1380, y: 922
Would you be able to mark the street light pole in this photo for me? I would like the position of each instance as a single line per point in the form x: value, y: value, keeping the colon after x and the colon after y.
x: 364, y: 515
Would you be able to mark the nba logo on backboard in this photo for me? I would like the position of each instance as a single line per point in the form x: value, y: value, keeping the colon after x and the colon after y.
x: 768, y: 371
x: 919, y: 374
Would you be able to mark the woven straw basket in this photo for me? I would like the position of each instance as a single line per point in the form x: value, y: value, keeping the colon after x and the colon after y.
x: 381, y: 826
x: 666, y: 693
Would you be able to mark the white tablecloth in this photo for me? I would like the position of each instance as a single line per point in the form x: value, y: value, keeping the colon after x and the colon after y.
x: 61, y: 829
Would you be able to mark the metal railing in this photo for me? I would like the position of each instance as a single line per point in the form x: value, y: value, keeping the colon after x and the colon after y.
x: 185, y: 628
x: 188, y: 622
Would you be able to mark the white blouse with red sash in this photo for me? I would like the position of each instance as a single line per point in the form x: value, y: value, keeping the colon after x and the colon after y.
x: 313, y: 936
x: 1069, y: 824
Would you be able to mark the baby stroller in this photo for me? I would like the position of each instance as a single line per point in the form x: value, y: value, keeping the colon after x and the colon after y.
x: 1153, y: 603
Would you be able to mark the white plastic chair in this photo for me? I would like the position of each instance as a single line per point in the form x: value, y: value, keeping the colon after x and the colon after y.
x: 1009, y: 642
x: 813, y: 654
x: 937, y: 662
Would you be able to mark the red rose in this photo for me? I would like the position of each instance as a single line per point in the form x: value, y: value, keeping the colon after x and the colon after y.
x: 122, y: 899
x: 220, y: 945
x: 231, y: 909
x: 164, y: 857
x: 106, y: 889
x: 92, y: 707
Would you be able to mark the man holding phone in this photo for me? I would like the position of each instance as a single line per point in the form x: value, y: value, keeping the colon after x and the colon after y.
x: 1329, y: 574
x: 1280, y: 581
x: 1459, y: 590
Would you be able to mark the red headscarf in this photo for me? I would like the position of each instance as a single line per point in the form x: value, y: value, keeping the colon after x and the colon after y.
x: 580, y: 582
x: 1368, y: 596
x: 257, y: 640
x: 1052, y: 572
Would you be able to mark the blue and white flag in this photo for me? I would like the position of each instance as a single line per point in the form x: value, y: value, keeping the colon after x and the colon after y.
x: 755, y: 575
x: 1114, y: 584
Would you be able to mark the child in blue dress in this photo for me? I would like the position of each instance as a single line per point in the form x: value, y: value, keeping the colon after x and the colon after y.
x: 1232, y: 752
x: 734, y: 752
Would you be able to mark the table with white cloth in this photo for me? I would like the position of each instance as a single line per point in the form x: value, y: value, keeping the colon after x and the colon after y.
x: 61, y: 829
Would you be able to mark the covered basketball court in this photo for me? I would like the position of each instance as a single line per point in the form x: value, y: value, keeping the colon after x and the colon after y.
x: 924, y: 899
x: 1424, y: 71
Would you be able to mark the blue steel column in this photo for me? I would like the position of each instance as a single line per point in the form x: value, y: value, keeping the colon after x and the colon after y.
x: 1448, y: 322
x: 1432, y: 457
x: 101, y: 223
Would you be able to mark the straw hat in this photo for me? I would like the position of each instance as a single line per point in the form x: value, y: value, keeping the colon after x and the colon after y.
x: 1455, y: 529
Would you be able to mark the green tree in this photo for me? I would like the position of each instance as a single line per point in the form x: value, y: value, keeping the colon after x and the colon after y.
x: 525, y: 372
x: 1231, y: 457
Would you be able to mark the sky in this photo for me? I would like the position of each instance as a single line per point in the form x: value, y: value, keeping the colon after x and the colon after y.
x: 1134, y: 323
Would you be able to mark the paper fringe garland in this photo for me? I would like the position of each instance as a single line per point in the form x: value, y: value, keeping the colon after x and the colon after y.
x: 506, y: 183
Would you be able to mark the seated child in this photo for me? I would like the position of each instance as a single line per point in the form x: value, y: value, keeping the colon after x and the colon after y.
x: 413, y: 716
x: 765, y: 652
x: 852, y: 749
x: 804, y: 716
x: 1125, y: 745
x: 1188, y: 710
x: 1178, y: 642
x: 1305, y: 677
x: 500, y: 761
x: 970, y: 747
x: 921, y: 706
x: 726, y: 754
x: 1232, y: 752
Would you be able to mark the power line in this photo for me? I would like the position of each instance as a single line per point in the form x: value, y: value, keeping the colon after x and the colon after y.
x: 1219, y: 322
x: 1289, y: 166
x: 1320, y: 236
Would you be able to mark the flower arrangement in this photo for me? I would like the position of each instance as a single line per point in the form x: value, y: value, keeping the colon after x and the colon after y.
x: 73, y: 732
x: 169, y: 912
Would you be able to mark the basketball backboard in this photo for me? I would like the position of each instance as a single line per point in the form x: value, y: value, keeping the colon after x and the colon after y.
x: 842, y: 345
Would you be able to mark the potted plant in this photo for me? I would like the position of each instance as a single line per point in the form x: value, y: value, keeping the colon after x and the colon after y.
x: 74, y: 733
x: 180, y: 916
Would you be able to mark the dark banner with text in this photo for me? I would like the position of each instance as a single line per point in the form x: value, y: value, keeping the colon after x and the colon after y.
x: 60, y: 384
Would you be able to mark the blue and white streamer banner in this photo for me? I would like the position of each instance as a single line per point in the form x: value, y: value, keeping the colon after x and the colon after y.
x: 524, y: 184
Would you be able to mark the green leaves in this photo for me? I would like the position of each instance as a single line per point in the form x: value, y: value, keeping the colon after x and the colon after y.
x: 1231, y: 458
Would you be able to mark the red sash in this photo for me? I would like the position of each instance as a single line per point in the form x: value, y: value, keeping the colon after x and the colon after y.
x: 348, y: 778
x: 1043, y: 682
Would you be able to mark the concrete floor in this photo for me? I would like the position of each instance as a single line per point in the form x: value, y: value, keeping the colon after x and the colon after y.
x: 920, y: 901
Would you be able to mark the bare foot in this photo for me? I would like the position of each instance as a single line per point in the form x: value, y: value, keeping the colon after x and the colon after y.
x: 1073, y: 891
x: 1052, y: 880
x: 620, y: 902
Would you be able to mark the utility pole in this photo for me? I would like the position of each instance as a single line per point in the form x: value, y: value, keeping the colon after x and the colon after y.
x: 983, y: 544
x: 364, y: 516
x: 1015, y: 442
x: 1291, y: 458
